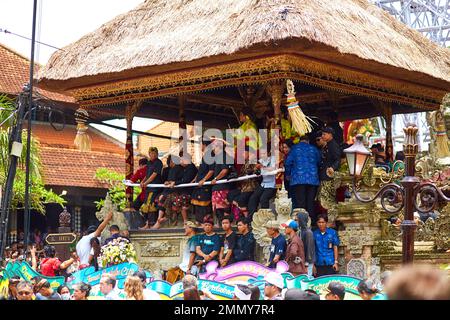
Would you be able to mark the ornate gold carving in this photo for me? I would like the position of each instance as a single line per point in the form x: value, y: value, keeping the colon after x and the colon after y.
x: 384, y: 247
x: 410, y: 146
x: 433, y: 230
x: 442, y: 229
x: 261, y: 70
x: 164, y: 248
x: 356, y: 237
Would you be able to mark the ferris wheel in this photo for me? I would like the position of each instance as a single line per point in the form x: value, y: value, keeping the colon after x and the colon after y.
x: 430, y: 17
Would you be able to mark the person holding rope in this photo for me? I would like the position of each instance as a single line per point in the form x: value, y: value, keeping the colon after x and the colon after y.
x: 154, y: 169
x: 222, y: 169
x: 246, y: 187
x: 166, y: 200
x: 183, y: 196
x: 201, y: 195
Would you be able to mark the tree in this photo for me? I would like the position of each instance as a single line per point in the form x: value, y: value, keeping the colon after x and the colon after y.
x: 39, y: 196
x: 116, y: 187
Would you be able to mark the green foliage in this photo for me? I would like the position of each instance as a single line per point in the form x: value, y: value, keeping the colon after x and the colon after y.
x: 116, y: 187
x: 38, y: 194
x: 6, y: 108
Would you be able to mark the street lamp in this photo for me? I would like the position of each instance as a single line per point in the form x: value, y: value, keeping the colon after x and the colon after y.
x: 356, y: 156
x: 409, y: 195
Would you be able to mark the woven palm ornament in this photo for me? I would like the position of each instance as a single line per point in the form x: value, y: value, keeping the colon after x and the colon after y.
x: 82, y: 140
x: 300, y: 121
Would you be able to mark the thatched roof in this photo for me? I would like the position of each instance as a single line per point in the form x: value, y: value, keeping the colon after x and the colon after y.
x: 166, y: 35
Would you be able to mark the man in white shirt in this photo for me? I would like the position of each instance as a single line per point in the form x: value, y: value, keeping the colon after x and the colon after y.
x: 267, y: 189
x: 84, y: 244
x: 107, y: 287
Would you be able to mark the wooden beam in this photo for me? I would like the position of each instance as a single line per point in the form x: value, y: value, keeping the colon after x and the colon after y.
x: 164, y: 105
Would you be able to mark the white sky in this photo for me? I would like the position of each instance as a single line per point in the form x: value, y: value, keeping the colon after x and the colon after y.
x: 61, y: 22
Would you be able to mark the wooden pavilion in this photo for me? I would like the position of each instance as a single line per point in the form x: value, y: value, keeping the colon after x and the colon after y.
x: 186, y: 60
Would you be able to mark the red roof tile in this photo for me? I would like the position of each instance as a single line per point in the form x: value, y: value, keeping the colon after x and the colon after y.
x: 64, y: 165
x: 69, y: 167
x: 49, y: 137
x: 14, y: 73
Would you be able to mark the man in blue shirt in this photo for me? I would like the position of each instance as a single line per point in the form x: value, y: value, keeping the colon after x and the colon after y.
x: 208, y: 245
x: 327, y: 243
x: 278, y: 246
x: 302, y: 170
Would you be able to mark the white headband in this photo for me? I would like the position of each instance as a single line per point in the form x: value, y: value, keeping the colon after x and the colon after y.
x: 241, y: 295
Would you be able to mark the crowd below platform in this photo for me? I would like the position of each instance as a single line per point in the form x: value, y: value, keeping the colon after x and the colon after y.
x: 309, y: 244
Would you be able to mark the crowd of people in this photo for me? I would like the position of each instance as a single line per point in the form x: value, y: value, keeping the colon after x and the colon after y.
x: 309, y: 246
x: 413, y: 282
x: 307, y: 161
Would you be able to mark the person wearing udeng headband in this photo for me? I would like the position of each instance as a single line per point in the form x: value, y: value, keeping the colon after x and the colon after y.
x: 242, y: 292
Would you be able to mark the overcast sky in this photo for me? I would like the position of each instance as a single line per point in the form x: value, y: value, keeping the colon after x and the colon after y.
x: 61, y: 22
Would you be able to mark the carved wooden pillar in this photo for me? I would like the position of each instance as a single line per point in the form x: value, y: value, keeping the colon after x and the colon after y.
x: 409, y: 183
x: 389, y: 145
x: 182, y: 123
x: 62, y: 250
x: 130, y: 112
x: 386, y: 109
x: 276, y: 90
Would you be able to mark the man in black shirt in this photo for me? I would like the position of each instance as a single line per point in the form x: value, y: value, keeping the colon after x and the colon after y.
x: 245, y: 244
x: 154, y: 169
x: 183, y: 197
x: 228, y: 243
x: 201, y: 195
x: 222, y: 168
x: 331, y: 155
x: 338, y: 131
x: 168, y: 196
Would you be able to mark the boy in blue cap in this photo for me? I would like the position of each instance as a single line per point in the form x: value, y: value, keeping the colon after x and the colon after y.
x: 295, y: 252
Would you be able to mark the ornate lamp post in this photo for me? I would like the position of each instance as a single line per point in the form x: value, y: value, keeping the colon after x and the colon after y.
x: 410, y: 194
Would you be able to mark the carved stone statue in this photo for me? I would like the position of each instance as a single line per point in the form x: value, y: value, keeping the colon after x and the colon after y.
x: 64, y: 218
x: 283, y: 205
x: 117, y: 219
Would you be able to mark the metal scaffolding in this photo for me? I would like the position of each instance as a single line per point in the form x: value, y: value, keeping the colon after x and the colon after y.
x: 430, y: 17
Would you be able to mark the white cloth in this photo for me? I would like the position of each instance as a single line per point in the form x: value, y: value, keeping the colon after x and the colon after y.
x: 84, y: 248
x: 190, y: 247
x: 268, y: 180
x: 151, y: 294
x: 113, y: 295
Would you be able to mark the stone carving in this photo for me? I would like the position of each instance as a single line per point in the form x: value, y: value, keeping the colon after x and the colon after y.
x: 442, y: 229
x: 161, y: 249
x: 355, y: 238
x: 64, y: 218
x: 384, y: 247
x: 117, y: 219
x: 283, y: 204
x: 357, y: 268
x: 260, y: 218
x: 425, y: 231
x: 435, y: 230
x: 390, y: 231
